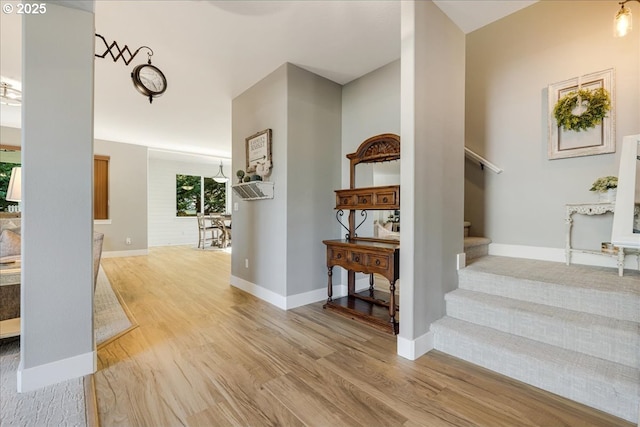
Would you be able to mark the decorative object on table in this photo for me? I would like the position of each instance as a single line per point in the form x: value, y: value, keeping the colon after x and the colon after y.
x: 220, y: 176
x: 606, y: 187
x: 258, y: 148
x: 263, y: 169
x: 623, y: 22
x: 240, y: 174
x: 581, y: 116
x: 147, y: 78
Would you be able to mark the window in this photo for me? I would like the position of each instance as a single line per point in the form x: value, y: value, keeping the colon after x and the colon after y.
x: 101, y: 187
x: 199, y: 194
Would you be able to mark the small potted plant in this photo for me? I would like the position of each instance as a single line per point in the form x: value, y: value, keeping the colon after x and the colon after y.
x: 240, y: 174
x: 606, y: 188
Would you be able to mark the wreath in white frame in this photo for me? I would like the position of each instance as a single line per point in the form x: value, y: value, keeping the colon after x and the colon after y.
x: 582, y: 109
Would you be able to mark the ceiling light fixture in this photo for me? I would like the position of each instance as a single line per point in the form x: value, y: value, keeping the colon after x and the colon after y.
x: 623, y: 22
x: 9, y: 95
x: 220, y: 177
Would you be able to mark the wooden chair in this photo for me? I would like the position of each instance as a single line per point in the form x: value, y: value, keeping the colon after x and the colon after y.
x: 224, y: 235
x: 203, y: 230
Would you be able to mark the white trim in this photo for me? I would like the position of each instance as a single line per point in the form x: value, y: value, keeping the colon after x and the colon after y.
x: 412, y: 349
x: 260, y: 292
x: 298, y: 300
x: 55, y: 372
x: 290, y: 302
x: 101, y: 222
x: 116, y: 254
x: 558, y: 255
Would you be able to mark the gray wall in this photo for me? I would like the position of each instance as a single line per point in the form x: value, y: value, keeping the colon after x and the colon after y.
x: 370, y: 106
x: 281, y: 238
x: 260, y: 227
x: 57, y: 221
x: 313, y: 173
x: 510, y: 63
x: 432, y: 152
x: 127, y: 196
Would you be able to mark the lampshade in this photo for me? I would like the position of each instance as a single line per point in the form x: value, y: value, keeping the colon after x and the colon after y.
x: 14, y: 191
x: 220, y: 176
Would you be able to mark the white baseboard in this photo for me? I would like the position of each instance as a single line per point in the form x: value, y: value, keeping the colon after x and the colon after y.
x: 285, y: 303
x: 558, y: 255
x: 258, y: 291
x: 117, y: 254
x: 412, y: 349
x: 55, y: 372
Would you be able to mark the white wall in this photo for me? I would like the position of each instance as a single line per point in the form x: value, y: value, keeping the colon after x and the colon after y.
x: 165, y: 228
x: 510, y: 63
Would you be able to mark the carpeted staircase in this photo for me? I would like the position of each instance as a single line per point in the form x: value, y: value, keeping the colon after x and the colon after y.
x: 572, y: 330
x: 474, y: 247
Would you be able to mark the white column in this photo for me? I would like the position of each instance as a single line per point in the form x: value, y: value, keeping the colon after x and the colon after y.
x: 57, y: 341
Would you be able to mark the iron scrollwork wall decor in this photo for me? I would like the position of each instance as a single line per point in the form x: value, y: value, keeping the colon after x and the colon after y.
x: 147, y: 78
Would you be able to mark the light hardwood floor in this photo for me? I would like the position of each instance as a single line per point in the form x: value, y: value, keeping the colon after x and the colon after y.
x: 207, y: 354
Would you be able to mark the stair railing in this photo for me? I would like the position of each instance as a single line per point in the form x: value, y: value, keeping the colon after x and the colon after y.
x: 484, y: 163
x: 625, y: 231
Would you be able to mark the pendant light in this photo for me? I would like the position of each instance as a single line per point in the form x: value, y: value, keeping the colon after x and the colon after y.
x: 623, y: 22
x: 220, y: 176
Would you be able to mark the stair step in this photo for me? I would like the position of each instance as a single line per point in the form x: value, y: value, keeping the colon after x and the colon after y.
x: 476, y: 247
x: 595, y: 290
x: 604, y: 337
x: 605, y: 385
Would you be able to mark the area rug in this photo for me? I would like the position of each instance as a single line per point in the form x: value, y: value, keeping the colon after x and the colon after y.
x: 61, y: 404
x: 112, y: 319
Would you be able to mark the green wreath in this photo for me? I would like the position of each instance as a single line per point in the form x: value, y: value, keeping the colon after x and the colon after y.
x: 597, y: 102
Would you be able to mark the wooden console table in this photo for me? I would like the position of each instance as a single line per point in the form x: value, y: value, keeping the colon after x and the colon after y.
x: 591, y: 209
x: 366, y: 256
x: 376, y: 308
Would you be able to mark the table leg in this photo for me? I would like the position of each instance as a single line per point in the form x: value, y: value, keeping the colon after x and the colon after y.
x: 392, y: 304
x: 620, y: 262
x: 330, y: 284
x: 567, y: 249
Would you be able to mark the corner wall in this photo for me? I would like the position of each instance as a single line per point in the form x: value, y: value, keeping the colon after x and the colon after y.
x: 432, y: 153
x: 278, y: 253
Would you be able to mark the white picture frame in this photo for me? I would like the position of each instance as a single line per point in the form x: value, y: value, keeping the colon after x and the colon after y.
x: 598, y: 140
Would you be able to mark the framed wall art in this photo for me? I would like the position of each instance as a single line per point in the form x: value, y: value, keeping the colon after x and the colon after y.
x: 258, y: 148
x: 581, y: 116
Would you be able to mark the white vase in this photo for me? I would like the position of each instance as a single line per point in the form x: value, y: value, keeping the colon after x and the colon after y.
x: 608, y: 196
